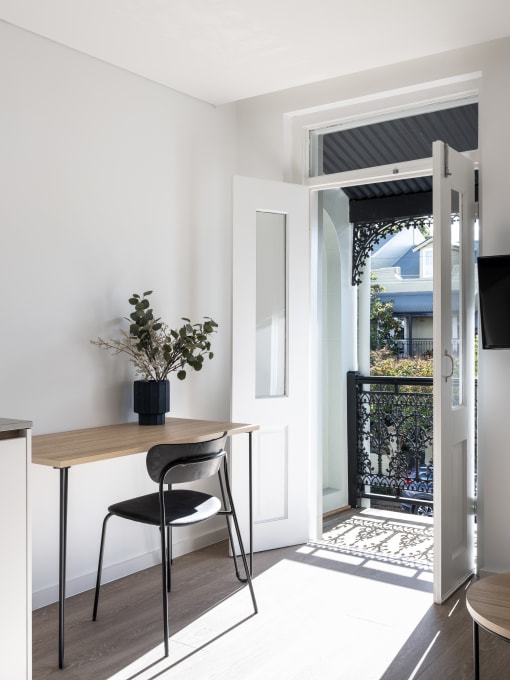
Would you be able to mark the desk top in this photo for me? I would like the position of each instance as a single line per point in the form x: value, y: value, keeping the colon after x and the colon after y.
x: 64, y: 449
x: 488, y: 602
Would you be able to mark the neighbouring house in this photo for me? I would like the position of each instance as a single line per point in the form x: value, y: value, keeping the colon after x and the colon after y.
x: 402, y: 265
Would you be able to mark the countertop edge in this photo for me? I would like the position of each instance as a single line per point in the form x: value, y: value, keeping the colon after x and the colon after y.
x: 8, y: 424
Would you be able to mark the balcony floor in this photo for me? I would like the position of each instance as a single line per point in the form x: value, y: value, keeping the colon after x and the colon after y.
x: 396, y: 537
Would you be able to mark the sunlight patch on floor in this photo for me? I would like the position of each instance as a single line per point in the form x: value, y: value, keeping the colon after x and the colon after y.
x: 397, y: 516
x: 311, y: 619
x: 391, y: 568
x: 339, y: 557
x: 385, y: 535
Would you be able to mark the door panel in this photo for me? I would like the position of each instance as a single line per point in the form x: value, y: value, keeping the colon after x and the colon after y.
x: 270, y: 350
x: 453, y: 369
x: 272, y: 464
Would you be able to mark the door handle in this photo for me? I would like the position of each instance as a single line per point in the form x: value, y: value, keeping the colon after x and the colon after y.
x: 447, y: 375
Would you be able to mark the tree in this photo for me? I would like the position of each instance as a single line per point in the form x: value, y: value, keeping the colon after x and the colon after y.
x: 385, y: 329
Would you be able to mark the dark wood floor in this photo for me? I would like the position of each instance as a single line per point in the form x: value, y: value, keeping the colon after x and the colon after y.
x: 323, y: 615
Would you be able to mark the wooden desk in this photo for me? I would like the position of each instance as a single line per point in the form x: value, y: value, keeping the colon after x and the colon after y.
x: 488, y: 602
x: 62, y: 450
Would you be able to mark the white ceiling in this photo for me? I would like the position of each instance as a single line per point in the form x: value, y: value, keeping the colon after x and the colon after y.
x: 221, y: 51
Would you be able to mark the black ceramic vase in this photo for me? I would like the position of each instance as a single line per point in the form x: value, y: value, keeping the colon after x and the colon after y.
x: 151, y: 400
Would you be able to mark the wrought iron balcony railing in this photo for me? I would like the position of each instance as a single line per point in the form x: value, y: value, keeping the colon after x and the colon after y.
x: 390, y: 440
x: 421, y: 347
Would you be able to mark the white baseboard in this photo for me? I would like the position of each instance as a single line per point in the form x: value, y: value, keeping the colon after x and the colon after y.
x: 80, y: 584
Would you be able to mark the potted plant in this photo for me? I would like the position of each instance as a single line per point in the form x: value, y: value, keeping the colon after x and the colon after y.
x: 157, y: 350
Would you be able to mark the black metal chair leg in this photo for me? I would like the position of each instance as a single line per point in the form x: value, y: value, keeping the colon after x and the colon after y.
x: 164, y: 572
x: 169, y: 559
x: 100, y: 567
x: 245, y: 561
x: 239, y: 538
x: 227, y: 512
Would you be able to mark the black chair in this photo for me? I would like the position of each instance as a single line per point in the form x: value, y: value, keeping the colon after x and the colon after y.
x: 169, y: 464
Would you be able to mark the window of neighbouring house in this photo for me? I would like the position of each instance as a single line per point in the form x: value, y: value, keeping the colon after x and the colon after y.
x: 426, y: 262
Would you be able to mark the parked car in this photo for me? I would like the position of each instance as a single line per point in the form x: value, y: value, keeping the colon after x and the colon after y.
x: 419, y: 487
x: 424, y: 482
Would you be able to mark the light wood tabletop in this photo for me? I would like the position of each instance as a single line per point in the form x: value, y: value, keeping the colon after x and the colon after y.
x: 488, y: 602
x: 75, y: 447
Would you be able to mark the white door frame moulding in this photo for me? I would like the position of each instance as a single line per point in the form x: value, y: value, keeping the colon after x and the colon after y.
x: 361, y: 110
x: 382, y: 173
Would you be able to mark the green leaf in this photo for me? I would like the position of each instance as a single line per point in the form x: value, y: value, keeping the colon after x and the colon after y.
x: 181, y: 375
x: 147, y: 292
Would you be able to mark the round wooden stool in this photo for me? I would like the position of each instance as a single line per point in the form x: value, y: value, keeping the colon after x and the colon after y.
x: 488, y: 602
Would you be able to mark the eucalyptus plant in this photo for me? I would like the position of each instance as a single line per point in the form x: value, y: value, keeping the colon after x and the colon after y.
x: 155, y: 349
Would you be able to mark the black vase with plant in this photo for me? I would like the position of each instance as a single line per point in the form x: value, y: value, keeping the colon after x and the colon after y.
x: 156, y: 351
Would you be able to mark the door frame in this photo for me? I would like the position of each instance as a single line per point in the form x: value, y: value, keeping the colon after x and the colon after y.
x: 360, y: 110
x: 406, y: 170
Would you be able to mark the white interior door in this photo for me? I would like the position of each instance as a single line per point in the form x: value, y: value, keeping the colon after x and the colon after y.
x: 271, y: 357
x: 453, y: 195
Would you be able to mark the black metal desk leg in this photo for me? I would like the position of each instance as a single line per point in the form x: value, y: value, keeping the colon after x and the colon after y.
x: 62, y: 563
x: 250, y: 496
x: 476, y: 650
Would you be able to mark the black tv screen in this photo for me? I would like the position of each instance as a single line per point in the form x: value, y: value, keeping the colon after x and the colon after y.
x: 494, y: 298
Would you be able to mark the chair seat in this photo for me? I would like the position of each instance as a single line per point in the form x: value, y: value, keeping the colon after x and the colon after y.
x: 182, y: 507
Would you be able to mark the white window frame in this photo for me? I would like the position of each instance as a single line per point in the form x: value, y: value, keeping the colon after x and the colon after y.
x: 426, y: 262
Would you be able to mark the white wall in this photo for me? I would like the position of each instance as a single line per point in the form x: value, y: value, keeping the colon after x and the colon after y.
x: 271, y: 145
x: 110, y: 185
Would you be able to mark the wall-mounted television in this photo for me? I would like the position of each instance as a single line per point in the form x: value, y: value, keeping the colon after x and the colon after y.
x: 494, y: 300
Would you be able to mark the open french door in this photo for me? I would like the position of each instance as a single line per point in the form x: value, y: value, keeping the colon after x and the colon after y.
x: 453, y: 196
x: 271, y: 357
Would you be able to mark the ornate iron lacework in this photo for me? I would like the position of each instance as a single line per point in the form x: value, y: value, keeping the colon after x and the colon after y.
x: 367, y: 234
x: 394, y: 433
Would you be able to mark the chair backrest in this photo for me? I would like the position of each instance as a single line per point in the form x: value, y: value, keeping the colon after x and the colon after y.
x: 185, y: 462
